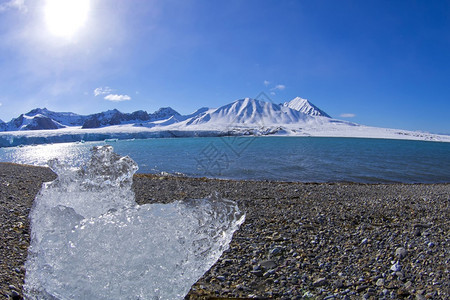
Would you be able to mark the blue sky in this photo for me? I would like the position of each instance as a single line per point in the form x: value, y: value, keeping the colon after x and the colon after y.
x: 379, y: 63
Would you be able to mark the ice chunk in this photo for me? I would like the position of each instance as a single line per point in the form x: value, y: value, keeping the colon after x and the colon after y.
x: 90, y: 240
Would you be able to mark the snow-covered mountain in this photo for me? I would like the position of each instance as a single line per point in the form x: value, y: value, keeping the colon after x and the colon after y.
x: 250, y: 112
x: 163, y: 113
x: 44, y: 119
x: 245, y: 112
x: 36, y: 122
x: 114, y: 117
x: 306, y: 107
x: 175, y: 118
x: 63, y: 118
x: 298, y: 117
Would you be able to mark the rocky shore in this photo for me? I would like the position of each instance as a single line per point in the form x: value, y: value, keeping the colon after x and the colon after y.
x: 18, y: 187
x: 299, y: 241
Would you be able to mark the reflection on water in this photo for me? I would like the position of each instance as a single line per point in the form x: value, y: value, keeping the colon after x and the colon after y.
x: 69, y: 153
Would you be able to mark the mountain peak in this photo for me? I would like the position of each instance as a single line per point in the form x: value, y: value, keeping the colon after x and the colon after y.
x: 251, y: 100
x: 306, y: 107
x: 251, y: 103
x: 251, y: 106
x: 167, y: 109
x: 112, y: 111
x: 164, y: 113
x: 37, y: 111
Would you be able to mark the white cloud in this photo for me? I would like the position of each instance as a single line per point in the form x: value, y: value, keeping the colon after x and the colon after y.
x: 273, y: 93
x: 347, y: 115
x: 279, y: 87
x: 117, y: 98
x: 102, y: 91
x: 14, y: 4
x: 266, y: 82
x: 1, y: 104
x: 106, y: 90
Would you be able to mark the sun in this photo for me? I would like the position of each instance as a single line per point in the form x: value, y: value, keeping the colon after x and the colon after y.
x: 65, y: 17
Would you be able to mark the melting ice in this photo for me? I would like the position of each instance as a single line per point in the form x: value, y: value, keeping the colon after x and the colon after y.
x: 90, y: 240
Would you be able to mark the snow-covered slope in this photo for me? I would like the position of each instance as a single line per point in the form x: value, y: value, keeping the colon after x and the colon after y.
x: 198, y: 112
x: 306, y: 107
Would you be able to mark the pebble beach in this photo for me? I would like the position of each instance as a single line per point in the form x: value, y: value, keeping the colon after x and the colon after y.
x: 299, y: 240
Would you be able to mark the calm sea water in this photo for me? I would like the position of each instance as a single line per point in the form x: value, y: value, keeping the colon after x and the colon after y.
x: 267, y: 158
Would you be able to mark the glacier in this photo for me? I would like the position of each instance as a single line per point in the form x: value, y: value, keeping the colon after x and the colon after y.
x: 91, y: 240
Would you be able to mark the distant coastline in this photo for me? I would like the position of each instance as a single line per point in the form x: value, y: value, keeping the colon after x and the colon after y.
x: 125, y: 132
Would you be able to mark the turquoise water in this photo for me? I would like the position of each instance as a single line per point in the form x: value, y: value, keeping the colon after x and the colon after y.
x: 267, y: 158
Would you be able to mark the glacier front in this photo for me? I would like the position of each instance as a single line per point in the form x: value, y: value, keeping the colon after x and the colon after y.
x: 90, y: 240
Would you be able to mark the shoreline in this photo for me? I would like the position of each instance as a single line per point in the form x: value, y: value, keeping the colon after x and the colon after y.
x: 342, y: 240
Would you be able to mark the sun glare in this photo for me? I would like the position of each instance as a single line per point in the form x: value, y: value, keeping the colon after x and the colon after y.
x: 65, y: 17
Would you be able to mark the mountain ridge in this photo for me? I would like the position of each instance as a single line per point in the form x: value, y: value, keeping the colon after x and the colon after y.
x: 243, y: 111
x: 44, y: 119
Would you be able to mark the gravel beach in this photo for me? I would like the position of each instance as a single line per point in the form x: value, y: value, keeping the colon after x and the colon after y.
x: 324, y: 241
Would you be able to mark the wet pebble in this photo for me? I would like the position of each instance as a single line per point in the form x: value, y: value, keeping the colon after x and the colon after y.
x: 396, y: 267
x: 401, y: 252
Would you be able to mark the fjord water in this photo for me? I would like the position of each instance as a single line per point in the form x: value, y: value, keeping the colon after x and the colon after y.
x: 307, y: 159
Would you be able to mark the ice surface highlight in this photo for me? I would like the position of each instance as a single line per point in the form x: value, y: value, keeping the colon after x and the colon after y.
x: 90, y: 240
